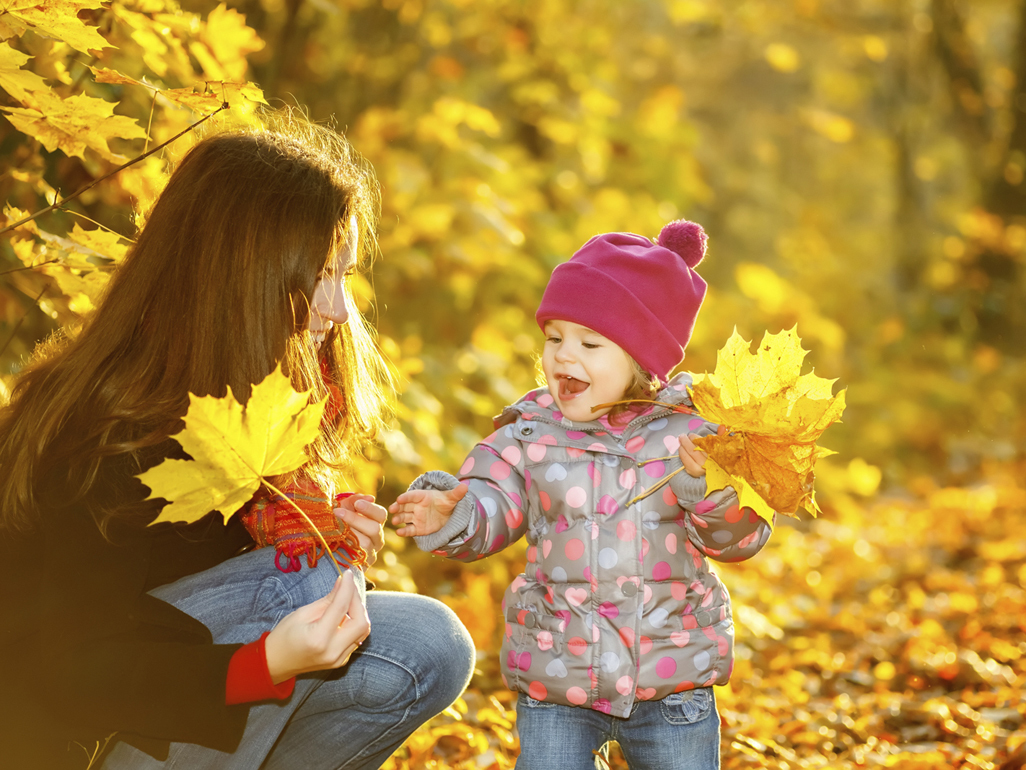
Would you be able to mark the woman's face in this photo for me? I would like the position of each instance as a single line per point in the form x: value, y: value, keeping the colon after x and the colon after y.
x: 328, y: 305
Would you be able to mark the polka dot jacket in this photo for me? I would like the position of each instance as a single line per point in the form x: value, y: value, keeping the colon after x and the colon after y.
x: 617, y: 601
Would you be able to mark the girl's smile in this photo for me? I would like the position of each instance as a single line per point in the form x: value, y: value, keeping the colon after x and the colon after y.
x: 583, y: 369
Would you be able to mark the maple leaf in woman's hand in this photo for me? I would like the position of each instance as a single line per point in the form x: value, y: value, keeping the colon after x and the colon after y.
x: 774, y: 416
x: 233, y: 447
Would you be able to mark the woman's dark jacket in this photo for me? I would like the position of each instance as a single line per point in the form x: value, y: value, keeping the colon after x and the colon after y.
x: 85, y: 652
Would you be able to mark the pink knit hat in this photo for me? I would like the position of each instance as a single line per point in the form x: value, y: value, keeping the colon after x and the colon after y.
x: 643, y: 296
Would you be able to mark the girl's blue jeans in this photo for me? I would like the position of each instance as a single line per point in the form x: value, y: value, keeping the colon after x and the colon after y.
x: 680, y: 732
x: 415, y: 663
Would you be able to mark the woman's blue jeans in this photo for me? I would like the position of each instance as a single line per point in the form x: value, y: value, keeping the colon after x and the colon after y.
x: 415, y: 663
x: 680, y: 732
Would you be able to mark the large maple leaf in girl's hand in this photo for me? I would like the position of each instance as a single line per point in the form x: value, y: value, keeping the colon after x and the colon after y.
x: 233, y: 447
x: 773, y: 416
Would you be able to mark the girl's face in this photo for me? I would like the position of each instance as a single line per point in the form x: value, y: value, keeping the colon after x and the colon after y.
x: 582, y: 369
x: 328, y: 305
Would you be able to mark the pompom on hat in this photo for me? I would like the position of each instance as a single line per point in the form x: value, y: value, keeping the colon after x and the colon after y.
x: 643, y: 296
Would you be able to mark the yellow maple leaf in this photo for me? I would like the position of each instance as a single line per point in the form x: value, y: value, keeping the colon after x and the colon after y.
x: 74, y: 124
x: 233, y: 447
x: 57, y: 19
x: 13, y: 79
x: 774, y: 415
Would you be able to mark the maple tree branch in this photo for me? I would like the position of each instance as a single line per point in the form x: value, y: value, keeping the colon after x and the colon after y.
x: 58, y: 204
x: 29, y: 267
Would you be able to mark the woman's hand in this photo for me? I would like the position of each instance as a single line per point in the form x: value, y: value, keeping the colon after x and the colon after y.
x: 425, y: 511
x: 367, y: 519
x: 319, y: 635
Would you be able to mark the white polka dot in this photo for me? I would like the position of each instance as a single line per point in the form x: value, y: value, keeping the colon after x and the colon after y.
x: 650, y: 520
x: 607, y: 558
x: 610, y: 460
x: 722, y: 536
x: 609, y: 661
x: 488, y: 506
x: 657, y: 618
x: 558, y: 574
x: 702, y: 661
x: 659, y: 424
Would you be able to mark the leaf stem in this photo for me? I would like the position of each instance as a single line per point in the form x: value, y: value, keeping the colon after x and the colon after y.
x: 313, y: 529
x: 662, y: 482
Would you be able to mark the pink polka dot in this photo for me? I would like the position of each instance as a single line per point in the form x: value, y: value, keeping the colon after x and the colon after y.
x: 704, y: 506
x: 597, y: 447
x: 608, y: 610
x: 668, y: 496
x: 603, y: 705
x: 516, y: 499
x: 499, y: 470
x: 574, y: 451
x: 574, y: 549
x: 498, y: 543
x: 624, y: 685
x: 607, y: 505
x: 537, y: 691
x: 557, y: 415
x: 577, y: 696
x: 626, y: 636
x: 532, y: 553
x: 694, y: 423
x: 661, y: 571
x: 678, y: 591
x: 546, y: 400
x: 536, y: 452
x: 734, y: 514
x: 644, y: 548
x: 577, y: 646
x: 548, y: 439
x: 576, y: 497
x: 672, y: 444
x: 546, y: 547
x: 543, y: 498
x: 628, y: 479
x: 655, y: 469
x: 514, y: 518
x: 625, y: 530
x: 467, y: 467
x: 575, y: 434
x: 645, y: 645
x: 511, y: 455
x: 753, y: 517
x: 666, y: 668
x: 647, y: 594
x: 544, y: 640
x: 671, y: 542
x: 634, y: 444
x: 527, y: 480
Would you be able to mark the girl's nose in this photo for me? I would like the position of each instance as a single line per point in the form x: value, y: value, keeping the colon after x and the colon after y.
x: 329, y: 303
x: 563, y: 354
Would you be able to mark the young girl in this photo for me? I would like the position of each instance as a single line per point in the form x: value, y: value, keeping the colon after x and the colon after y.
x: 181, y: 645
x: 617, y: 629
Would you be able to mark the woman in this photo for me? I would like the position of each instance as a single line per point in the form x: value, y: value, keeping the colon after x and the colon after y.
x: 179, y: 645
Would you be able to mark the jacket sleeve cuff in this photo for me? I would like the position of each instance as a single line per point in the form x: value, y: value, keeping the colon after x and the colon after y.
x: 461, y: 514
x: 687, y: 488
x: 249, y: 679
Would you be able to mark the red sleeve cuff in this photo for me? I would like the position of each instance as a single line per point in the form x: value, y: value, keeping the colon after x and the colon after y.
x: 248, y: 677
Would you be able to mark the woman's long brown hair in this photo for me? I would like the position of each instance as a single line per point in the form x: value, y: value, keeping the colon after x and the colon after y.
x: 213, y: 295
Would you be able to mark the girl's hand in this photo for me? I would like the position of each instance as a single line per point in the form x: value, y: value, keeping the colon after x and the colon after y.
x: 367, y: 519
x: 693, y: 457
x: 425, y: 511
x: 319, y: 635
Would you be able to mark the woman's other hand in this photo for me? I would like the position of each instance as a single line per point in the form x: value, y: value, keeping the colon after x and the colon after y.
x: 320, y: 635
x: 367, y: 519
x: 425, y: 511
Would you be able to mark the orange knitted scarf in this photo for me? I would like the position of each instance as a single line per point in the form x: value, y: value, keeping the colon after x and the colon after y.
x: 271, y: 521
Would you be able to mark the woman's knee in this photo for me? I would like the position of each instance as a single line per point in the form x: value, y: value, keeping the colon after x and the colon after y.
x: 435, y: 644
